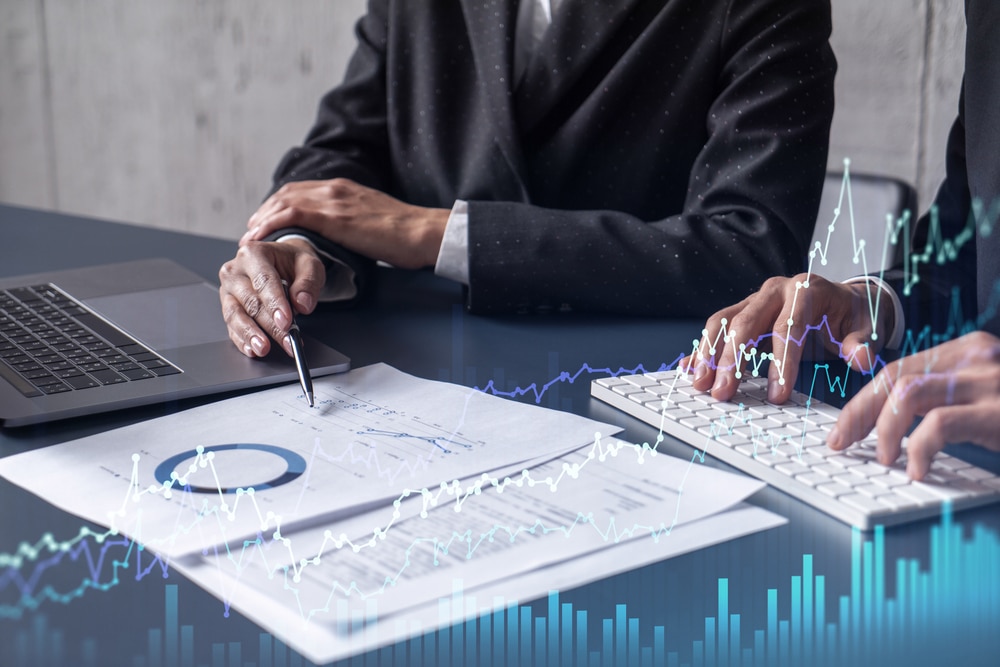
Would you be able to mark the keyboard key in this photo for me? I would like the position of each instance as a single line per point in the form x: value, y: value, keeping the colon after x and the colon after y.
x: 898, y: 503
x: 138, y: 374
x: 82, y: 382
x: 124, y: 365
x: 93, y: 366
x: 792, y: 469
x: 833, y: 489
x: 887, y: 480
x: 917, y: 492
x: 695, y: 422
x: 814, y: 479
x: 645, y: 397
x: 734, y: 441
x: 108, y: 376
x: 639, y: 380
x: 105, y: 330
x: 862, y: 502
x: 976, y: 474
x: 872, y: 490
x: 951, y: 463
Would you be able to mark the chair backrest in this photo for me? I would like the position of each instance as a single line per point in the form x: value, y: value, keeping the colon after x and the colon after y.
x: 872, y: 199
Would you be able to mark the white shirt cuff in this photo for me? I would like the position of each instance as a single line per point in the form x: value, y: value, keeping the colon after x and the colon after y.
x: 453, y: 257
x: 340, y: 284
x: 895, y: 338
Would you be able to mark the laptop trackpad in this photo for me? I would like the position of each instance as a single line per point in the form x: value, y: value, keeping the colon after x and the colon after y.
x: 167, y: 318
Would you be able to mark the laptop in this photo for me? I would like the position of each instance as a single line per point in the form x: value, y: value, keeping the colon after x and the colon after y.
x: 114, y: 336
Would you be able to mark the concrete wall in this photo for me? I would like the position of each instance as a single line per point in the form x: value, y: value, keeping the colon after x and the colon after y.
x: 173, y: 114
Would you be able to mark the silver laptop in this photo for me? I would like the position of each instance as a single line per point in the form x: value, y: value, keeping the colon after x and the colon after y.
x: 119, y: 335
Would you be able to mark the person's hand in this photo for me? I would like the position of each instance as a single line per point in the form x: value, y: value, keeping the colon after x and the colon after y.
x: 253, y: 300
x: 774, y: 321
x: 955, y: 387
x: 361, y: 219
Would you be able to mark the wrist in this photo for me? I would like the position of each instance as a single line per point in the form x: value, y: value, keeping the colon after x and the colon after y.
x: 430, y: 234
x: 300, y: 244
x: 883, y: 304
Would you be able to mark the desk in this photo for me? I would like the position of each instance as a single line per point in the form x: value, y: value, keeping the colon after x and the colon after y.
x: 416, y: 322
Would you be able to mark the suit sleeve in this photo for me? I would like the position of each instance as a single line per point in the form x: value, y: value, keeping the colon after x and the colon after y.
x: 349, y: 138
x: 752, y: 200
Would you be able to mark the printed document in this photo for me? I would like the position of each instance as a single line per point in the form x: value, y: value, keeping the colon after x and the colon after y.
x: 255, y: 464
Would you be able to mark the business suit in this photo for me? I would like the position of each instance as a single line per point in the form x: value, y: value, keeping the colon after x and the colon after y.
x: 969, y: 278
x: 657, y: 156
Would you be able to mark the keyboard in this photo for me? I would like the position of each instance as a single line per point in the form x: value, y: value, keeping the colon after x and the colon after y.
x: 785, y: 446
x: 51, y: 343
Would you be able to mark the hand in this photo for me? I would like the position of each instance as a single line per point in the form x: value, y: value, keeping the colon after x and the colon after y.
x: 955, y: 387
x: 361, y: 219
x: 253, y: 300
x: 779, y: 314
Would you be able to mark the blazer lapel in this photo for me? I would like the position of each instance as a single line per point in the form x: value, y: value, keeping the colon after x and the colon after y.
x: 585, y: 40
x: 491, y: 28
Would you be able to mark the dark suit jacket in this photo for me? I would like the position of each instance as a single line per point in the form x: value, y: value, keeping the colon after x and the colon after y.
x: 958, y: 266
x: 658, y: 156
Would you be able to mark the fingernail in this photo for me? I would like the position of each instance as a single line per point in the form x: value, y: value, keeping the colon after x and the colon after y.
x: 700, y: 371
x: 305, y: 301
x: 833, y: 438
x: 247, y: 350
x: 258, y: 345
x: 721, y: 382
x: 773, y: 391
x: 280, y: 320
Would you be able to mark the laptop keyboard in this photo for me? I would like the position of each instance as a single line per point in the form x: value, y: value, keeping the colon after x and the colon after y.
x: 51, y: 343
x: 785, y: 446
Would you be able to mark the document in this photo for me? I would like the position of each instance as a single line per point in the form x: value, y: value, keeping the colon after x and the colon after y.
x: 331, y: 591
x: 266, y: 462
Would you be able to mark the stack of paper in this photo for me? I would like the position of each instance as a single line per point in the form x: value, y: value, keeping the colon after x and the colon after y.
x: 391, y: 495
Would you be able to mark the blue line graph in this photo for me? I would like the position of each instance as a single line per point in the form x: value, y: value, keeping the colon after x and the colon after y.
x: 444, y: 443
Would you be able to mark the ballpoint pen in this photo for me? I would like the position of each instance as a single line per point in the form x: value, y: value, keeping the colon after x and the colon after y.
x: 295, y: 341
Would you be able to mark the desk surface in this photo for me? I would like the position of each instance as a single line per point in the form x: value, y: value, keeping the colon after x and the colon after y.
x: 416, y: 323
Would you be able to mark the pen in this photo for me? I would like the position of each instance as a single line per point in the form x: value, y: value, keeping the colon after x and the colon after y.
x: 295, y: 340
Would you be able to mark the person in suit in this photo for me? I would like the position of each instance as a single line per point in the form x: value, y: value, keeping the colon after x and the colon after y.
x: 646, y: 157
x: 953, y: 266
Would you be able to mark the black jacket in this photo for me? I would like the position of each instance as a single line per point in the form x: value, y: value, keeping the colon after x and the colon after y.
x: 658, y: 156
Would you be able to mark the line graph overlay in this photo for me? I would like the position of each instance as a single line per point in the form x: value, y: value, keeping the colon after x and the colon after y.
x: 25, y: 555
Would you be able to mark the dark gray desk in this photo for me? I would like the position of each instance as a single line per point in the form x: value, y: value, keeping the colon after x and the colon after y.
x: 416, y: 323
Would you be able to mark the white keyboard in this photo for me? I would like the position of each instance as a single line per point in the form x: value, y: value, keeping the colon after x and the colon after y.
x: 785, y: 446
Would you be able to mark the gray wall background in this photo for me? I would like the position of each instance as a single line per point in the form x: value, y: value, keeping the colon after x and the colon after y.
x: 174, y: 113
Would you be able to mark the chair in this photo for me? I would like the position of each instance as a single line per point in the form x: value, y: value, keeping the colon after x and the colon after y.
x: 873, y: 197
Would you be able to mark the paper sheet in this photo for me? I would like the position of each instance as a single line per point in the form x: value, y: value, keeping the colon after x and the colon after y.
x: 313, y: 591
x: 268, y: 461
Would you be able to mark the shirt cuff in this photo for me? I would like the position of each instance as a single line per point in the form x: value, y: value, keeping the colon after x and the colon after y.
x: 340, y: 278
x: 453, y: 257
x: 895, y: 338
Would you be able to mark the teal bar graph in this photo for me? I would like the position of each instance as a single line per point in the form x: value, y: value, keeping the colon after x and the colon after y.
x: 891, y: 612
x: 722, y: 621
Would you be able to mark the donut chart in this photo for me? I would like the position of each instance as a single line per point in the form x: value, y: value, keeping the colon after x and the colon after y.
x: 295, y: 466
